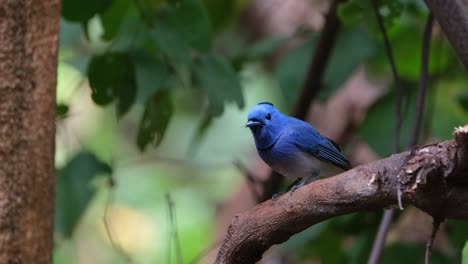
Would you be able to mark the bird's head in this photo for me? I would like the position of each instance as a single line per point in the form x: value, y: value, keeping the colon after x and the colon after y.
x: 266, y: 123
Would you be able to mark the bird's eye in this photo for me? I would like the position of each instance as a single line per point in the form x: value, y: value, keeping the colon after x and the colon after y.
x: 268, y: 116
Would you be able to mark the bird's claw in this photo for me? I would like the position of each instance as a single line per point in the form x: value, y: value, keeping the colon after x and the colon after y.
x: 295, y: 187
x: 276, y: 195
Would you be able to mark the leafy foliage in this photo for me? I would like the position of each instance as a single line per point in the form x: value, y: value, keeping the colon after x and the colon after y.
x: 61, y: 110
x: 214, y: 74
x: 74, y: 190
x: 157, y: 114
x: 292, y: 68
x: 465, y: 253
x: 112, y: 76
x: 180, y: 46
x: 361, y: 12
x: 157, y: 59
x: 82, y: 11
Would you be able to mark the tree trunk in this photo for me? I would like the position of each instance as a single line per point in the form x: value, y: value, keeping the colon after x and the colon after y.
x: 28, y: 62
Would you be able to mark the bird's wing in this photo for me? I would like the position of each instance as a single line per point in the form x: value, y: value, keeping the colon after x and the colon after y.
x: 309, y: 140
x: 331, y: 154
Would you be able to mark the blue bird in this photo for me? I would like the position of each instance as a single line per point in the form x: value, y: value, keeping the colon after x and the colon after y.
x: 292, y: 147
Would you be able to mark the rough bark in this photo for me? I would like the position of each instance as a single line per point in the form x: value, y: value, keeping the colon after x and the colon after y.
x: 434, y: 178
x: 453, y: 18
x: 28, y: 61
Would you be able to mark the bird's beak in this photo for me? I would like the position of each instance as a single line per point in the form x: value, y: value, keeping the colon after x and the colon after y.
x: 253, y: 123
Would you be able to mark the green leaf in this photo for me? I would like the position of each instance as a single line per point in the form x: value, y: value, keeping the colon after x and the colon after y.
x: 266, y: 47
x: 380, y: 123
x: 407, y: 53
x: 113, y: 18
x: 82, y: 11
x: 339, y: 69
x: 462, y: 99
x: 112, y: 76
x: 457, y: 233
x: 202, y: 127
x: 168, y: 39
x: 151, y: 74
x: 182, y: 26
x: 74, y: 190
x: 153, y: 125
x: 291, y: 69
x: 447, y: 113
x: 410, y: 253
x: 219, y: 19
x: 216, y: 77
x: 61, y: 110
x: 465, y: 253
x: 361, y: 12
x: 191, y: 19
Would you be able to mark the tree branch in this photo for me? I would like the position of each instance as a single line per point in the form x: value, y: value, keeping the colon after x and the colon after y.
x: 373, y: 186
x: 452, y: 17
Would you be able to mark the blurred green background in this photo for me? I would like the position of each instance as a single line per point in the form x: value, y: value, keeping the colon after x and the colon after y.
x: 152, y: 97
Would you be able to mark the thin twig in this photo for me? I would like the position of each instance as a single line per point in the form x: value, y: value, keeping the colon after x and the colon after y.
x: 105, y: 220
x: 381, y: 236
x: 435, y: 227
x: 424, y: 75
x: 388, y: 214
x: 173, y: 232
x: 312, y: 83
x: 396, y: 78
x: 251, y: 180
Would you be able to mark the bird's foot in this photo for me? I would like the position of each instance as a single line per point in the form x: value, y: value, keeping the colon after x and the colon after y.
x: 295, y: 187
x: 302, y: 183
x: 276, y: 195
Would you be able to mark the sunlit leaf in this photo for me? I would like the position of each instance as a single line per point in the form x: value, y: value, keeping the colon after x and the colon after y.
x: 361, y: 12
x: 82, y: 11
x: 153, y: 125
x: 407, y: 52
x: 74, y: 190
x: 216, y: 77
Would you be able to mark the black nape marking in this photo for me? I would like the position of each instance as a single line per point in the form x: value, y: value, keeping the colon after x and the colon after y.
x: 268, y: 103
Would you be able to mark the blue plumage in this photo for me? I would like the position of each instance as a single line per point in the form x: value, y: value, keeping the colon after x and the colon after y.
x: 292, y: 147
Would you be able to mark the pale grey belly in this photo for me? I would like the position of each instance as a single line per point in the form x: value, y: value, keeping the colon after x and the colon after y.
x: 300, y: 165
